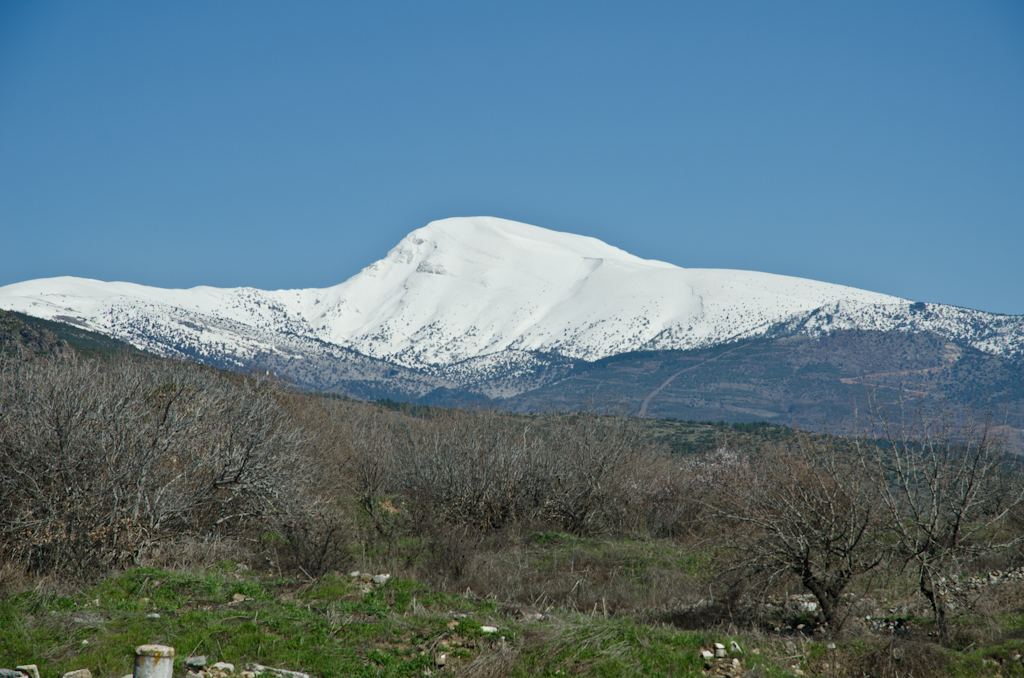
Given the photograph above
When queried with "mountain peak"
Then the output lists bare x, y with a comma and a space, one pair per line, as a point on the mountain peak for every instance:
495, 237
467, 245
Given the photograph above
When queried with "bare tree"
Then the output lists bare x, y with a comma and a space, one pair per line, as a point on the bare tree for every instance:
949, 491
813, 512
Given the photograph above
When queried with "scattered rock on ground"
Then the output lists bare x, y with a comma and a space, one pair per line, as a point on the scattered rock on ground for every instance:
283, 673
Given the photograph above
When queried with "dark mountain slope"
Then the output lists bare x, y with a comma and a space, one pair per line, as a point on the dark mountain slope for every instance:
795, 380
24, 340
81, 340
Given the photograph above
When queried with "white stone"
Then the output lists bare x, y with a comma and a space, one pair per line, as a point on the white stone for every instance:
488, 629
381, 578
283, 673
224, 666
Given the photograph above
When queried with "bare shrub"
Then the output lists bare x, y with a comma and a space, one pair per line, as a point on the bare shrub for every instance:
897, 658
698, 485
585, 473
99, 460
597, 465
472, 468
199, 552
353, 448
445, 553
316, 542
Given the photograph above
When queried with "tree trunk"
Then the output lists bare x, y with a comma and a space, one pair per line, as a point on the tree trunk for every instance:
927, 587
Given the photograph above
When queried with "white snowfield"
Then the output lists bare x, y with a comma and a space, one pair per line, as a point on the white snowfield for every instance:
481, 287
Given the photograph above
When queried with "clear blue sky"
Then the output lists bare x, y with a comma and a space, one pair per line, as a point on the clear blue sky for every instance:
278, 145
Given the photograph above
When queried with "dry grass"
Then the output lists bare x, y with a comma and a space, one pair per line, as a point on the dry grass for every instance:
497, 662
896, 658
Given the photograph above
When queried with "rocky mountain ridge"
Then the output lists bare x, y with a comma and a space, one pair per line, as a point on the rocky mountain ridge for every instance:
490, 307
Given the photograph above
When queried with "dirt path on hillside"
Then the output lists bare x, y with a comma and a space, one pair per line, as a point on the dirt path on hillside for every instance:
948, 359
860, 380
647, 400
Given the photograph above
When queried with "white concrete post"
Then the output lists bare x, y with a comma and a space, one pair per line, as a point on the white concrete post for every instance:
154, 661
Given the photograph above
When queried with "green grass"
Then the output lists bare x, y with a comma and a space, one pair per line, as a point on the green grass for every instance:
331, 628
598, 561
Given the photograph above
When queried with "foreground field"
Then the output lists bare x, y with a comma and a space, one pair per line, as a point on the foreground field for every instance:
642, 625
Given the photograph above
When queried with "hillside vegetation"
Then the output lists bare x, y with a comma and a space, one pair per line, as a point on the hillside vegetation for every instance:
235, 509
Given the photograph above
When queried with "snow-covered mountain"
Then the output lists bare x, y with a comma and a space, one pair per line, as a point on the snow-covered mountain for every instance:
489, 305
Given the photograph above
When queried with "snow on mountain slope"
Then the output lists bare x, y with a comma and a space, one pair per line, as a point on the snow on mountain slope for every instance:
460, 288
468, 294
